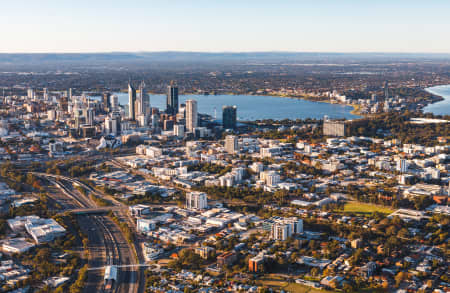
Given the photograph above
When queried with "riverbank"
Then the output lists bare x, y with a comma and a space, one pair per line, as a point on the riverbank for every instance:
356, 110
442, 106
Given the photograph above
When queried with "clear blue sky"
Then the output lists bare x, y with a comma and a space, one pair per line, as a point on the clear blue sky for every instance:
225, 25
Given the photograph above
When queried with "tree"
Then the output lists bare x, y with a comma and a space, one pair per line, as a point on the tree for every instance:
400, 277
314, 272
348, 287
403, 233
391, 230
358, 256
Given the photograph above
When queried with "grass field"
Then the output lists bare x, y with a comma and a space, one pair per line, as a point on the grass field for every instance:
298, 288
365, 208
278, 283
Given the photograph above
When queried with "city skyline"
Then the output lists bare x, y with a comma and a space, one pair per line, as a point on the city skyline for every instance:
234, 26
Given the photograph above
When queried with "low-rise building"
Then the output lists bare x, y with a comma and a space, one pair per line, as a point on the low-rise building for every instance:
256, 263
44, 230
196, 200
145, 225
204, 252
16, 245
226, 259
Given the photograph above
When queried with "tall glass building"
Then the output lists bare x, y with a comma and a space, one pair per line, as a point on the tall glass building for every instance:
229, 117
172, 99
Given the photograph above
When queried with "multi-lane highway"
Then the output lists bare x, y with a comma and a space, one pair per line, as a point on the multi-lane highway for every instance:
118, 206
107, 244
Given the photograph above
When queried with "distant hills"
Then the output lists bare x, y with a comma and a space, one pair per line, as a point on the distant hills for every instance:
162, 57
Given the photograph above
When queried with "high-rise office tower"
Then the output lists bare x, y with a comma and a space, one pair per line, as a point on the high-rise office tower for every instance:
229, 117
131, 102
155, 121
191, 115
30, 94
178, 130
106, 101
142, 120
89, 115
231, 144
113, 102
70, 94
45, 94
144, 101
112, 124
137, 107
168, 125
172, 99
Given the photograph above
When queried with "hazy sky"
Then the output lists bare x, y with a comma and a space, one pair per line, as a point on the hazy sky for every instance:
225, 25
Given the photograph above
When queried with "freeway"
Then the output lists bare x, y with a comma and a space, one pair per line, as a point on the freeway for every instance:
107, 244
123, 212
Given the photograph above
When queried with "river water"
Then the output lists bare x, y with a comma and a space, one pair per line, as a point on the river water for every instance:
442, 107
256, 107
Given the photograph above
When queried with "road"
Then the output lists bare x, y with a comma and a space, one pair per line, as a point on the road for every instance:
123, 215
107, 244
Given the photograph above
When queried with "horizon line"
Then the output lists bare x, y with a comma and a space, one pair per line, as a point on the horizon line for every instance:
232, 52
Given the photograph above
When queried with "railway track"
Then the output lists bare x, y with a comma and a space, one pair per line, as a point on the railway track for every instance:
112, 252
107, 231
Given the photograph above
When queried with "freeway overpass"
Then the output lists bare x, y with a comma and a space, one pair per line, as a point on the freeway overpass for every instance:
92, 211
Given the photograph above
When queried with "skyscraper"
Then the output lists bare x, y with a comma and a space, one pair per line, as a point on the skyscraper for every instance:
113, 102
45, 94
178, 130
191, 115
231, 144
131, 102
229, 117
30, 94
172, 99
112, 124
106, 101
89, 115
144, 101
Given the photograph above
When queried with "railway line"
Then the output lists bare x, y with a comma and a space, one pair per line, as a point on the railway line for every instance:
107, 245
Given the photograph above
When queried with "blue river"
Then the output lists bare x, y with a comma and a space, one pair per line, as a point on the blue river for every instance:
442, 107
251, 108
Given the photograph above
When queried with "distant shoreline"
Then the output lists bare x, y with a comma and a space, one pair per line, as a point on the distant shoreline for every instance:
443, 98
299, 107
355, 111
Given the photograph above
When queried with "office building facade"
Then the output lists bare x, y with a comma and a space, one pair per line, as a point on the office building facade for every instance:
131, 102
231, 144
172, 99
229, 117
191, 115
